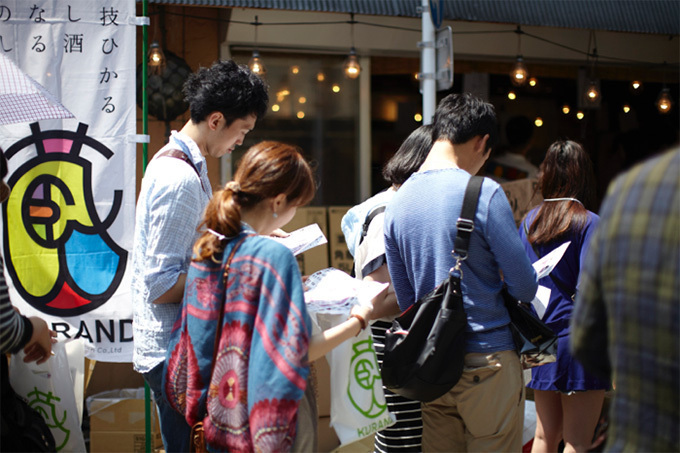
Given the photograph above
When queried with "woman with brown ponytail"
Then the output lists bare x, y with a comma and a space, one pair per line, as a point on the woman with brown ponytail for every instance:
568, 399
249, 396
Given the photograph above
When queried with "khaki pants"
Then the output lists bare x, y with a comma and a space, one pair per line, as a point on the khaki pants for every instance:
306, 440
484, 411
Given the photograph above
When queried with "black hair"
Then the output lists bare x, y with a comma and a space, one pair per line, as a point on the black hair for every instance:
409, 157
225, 87
566, 171
460, 117
519, 130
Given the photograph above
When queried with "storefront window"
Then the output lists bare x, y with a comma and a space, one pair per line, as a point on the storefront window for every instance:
312, 105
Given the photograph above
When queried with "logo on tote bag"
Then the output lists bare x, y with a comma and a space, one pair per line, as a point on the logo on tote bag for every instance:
365, 384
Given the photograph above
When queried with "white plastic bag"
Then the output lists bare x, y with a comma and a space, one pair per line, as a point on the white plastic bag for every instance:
48, 388
358, 406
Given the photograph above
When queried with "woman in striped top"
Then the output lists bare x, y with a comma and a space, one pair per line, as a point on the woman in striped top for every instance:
363, 228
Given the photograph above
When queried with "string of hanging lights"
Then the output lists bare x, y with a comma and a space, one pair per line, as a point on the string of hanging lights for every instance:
519, 75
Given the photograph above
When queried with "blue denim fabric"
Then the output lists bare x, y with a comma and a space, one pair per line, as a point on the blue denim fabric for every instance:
174, 428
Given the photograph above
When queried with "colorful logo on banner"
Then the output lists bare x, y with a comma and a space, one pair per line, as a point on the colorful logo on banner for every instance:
57, 250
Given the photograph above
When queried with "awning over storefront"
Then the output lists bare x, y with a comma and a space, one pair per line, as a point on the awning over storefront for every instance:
636, 16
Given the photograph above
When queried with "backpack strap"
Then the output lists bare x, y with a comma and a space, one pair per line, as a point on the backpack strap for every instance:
372, 214
177, 154
369, 218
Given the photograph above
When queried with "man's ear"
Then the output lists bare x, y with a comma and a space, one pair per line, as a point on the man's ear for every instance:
480, 146
214, 120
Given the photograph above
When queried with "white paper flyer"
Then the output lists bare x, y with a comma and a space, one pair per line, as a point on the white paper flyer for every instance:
303, 239
543, 268
332, 291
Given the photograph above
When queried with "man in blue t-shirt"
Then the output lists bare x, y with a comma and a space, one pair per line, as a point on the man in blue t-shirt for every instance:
484, 411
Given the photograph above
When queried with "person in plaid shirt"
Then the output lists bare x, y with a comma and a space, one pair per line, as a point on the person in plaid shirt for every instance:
627, 316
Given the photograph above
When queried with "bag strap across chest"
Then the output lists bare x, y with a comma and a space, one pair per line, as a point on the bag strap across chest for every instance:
465, 224
177, 154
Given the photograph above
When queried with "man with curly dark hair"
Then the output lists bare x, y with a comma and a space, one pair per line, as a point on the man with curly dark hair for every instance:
225, 101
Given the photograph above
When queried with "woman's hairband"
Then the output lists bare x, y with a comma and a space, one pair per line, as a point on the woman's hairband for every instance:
233, 186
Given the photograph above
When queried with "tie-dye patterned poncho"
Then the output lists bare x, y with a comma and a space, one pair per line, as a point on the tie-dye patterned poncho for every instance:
261, 367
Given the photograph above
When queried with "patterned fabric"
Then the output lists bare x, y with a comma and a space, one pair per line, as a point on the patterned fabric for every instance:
627, 314
419, 232
406, 434
169, 209
261, 366
22, 99
566, 374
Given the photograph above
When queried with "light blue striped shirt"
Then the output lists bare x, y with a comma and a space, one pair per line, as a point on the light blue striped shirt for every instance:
169, 209
420, 228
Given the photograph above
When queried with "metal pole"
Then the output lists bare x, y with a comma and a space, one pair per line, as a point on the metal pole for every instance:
365, 129
428, 65
145, 158
145, 100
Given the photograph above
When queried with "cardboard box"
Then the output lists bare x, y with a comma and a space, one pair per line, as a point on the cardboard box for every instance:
327, 439
316, 258
340, 257
118, 422
323, 387
102, 376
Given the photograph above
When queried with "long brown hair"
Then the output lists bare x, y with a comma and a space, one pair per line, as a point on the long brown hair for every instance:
566, 172
266, 170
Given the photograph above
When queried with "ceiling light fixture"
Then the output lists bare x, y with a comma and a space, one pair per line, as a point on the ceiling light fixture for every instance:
255, 64
519, 73
351, 66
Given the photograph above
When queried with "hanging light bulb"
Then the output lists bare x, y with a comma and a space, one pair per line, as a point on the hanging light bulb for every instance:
519, 73
511, 95
156, 58
566, 109
256, 65
626, 108
636, 85
592, 92
533, 81
579, 115
320, 76
538, 121
664, 101
351, 67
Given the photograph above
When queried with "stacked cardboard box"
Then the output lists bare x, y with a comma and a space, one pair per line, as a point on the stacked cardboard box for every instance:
340, 258
118, 422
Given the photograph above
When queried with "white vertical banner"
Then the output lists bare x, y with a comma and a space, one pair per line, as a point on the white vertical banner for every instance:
68, 223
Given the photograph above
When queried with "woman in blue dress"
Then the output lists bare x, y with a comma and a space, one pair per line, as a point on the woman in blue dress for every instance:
568, 400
